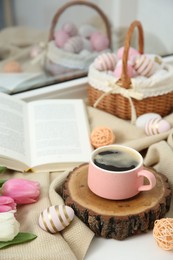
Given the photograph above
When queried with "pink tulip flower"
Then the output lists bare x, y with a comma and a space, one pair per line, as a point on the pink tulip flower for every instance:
7, 204
21, 190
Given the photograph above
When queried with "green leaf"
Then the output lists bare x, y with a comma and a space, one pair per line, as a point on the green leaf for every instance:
2, 169
2, 182
19, 239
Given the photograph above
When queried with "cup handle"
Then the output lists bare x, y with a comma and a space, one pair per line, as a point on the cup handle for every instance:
152, 180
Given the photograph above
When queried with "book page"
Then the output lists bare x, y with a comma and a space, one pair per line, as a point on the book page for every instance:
12, 128
59, 132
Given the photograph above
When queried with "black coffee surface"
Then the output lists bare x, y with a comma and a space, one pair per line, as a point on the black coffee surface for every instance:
115, 160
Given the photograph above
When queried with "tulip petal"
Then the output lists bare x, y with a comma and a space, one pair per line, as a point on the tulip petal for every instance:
21, 190
5, 208
5, 200
9, 226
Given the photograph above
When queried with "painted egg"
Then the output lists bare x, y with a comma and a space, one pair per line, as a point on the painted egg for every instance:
156, 126
86, 30
70, 29
143, 119
132, 52
118, 70
105, 61
99, 41
61, 37
145, 66
56, 218
74, 44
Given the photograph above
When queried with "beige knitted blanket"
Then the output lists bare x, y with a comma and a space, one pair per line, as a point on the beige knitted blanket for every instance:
74, 241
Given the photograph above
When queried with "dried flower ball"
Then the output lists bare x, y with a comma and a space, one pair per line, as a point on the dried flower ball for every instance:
12, 67
163, 233
101, 136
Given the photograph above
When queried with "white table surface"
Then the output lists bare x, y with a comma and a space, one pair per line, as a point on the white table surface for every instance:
141, 247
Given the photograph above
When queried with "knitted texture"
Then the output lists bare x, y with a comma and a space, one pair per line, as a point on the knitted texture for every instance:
66, 245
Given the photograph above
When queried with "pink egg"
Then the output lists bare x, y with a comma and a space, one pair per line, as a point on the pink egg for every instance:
74, 44
99, 41
156, 126
86, 30
61, 37
56, 218
70, 29
118, 70
145, 66
105, 61
132, 52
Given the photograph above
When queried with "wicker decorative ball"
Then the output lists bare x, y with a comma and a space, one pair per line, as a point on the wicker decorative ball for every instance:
12, 67
163, 233
101, 136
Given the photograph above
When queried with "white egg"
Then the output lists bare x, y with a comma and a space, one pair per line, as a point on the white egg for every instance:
143, 119
156, 126
86, 30
56, 218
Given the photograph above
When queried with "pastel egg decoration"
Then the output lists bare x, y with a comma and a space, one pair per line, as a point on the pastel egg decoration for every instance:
74, 44
61, 37
99, 41
70, 28
145, 66
143, 119
105, 62
56, 218
86, 30
132, 53
118, 70
156, 126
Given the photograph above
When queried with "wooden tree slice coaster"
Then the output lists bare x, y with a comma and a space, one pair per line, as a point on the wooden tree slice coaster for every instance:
112, 218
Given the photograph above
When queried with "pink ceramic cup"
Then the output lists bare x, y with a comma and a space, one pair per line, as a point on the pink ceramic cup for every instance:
119, 185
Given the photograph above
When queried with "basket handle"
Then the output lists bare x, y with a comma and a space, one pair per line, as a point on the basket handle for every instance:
125, 79
72, 3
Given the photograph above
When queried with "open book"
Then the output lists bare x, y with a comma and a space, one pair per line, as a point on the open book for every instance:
43, 135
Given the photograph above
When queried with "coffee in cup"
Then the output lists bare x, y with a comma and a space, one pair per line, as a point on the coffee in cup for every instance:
116, 160
117, 172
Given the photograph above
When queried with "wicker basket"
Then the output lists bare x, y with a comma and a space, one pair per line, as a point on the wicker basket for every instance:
119, 105
61, 62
